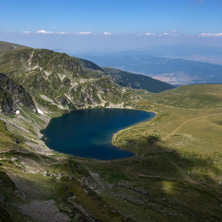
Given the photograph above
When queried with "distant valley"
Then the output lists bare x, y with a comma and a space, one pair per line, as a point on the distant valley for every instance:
172, 64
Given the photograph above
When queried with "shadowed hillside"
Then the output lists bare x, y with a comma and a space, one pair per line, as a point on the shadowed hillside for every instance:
137, 81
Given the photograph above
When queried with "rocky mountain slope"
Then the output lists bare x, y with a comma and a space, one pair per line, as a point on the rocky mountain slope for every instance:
13, 96
42, 71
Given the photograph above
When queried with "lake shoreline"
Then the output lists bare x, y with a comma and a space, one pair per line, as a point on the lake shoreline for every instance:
103, 150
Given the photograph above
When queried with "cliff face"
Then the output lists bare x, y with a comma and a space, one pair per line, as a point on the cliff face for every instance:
13, 96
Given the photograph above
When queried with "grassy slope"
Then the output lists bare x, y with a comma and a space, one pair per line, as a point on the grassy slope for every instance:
127, 79
6, 47
195, 96
31, 182
177, 172
181, 155
173, 179
137, 81
175, 176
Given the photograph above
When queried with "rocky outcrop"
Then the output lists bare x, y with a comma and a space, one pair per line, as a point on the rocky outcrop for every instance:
13, 96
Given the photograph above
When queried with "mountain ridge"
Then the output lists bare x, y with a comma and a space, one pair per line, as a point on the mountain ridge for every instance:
7, 46
41, 71
137, 81
92, 66
175, 71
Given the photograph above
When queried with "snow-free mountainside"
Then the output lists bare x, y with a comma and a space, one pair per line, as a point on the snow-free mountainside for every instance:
174, 176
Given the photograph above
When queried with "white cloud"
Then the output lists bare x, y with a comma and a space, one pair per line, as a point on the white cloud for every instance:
172, 33
211, 34
61, 33
164, 34
150, 34
107, 33
84, 33
26, 32
44, 32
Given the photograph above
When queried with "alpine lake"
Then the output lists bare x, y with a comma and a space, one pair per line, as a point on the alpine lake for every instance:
88, 133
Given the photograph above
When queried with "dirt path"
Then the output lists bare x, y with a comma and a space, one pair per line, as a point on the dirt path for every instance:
187, 121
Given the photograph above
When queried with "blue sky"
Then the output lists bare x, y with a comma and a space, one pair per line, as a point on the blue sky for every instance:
109, 23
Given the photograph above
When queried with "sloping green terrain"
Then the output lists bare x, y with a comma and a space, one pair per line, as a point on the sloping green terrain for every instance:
7, 46
32, 60
127, 79
42, 71
195, 96
136, 81
176, 174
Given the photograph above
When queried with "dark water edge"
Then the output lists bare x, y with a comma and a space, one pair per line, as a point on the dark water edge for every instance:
88, 133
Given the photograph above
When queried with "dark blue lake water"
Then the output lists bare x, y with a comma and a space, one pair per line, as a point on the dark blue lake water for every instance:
88, 133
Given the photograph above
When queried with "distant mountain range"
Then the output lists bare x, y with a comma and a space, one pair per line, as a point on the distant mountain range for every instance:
193, 52
167, 63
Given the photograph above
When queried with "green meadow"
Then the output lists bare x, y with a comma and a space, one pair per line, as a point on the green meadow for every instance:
176, 174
